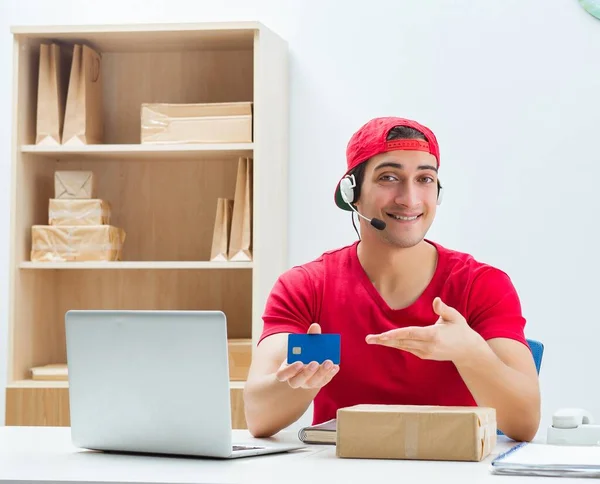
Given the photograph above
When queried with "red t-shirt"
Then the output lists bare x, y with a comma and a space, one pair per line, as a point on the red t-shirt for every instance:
335, 292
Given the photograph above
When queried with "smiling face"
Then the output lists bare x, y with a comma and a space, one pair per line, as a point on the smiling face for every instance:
400, 188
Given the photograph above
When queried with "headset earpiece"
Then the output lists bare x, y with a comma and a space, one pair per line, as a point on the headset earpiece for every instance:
347, 188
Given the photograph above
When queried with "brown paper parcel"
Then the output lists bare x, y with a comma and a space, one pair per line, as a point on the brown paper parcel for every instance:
196, 123
221, 231
416, 432
50, 372
53, 80
74, 185
83, 112
78, 212
240, 243
51, 243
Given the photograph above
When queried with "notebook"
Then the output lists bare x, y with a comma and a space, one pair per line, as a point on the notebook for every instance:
539, 459
323, 433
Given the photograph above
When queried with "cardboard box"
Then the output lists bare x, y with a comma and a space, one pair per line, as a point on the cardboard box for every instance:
92, 211
240, 357
52, 372
416, 432
75, 184
197, 123
51, 243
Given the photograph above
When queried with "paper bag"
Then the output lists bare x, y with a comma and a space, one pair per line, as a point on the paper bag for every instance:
240, 244
239, 357
51, 95
83, 112
220, 241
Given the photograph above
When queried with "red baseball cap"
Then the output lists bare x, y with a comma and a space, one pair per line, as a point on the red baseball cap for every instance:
370, 140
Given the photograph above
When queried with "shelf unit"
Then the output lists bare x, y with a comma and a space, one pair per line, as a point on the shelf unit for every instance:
163, 196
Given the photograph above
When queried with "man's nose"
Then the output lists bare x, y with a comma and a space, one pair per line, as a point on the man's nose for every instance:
407, 195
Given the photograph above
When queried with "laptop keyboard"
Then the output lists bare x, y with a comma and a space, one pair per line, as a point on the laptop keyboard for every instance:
245, 447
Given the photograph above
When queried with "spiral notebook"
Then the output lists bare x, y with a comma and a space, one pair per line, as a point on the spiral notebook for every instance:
539, 459
323, 433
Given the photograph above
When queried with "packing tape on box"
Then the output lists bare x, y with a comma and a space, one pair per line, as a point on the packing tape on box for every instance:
73, 248
157, 119
411, 439
54, 214
486, 432
163, 120
68, 248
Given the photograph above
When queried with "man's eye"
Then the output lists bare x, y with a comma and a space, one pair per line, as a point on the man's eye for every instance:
387, 178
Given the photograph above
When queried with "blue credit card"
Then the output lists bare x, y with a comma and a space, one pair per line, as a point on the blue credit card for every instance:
314, 347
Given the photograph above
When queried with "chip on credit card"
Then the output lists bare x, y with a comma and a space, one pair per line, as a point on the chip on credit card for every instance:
314, 347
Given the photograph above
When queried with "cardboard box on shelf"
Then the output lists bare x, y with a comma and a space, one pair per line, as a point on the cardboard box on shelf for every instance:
51, 243
90, 211
416, 432
197, 123
51, 372
74, 184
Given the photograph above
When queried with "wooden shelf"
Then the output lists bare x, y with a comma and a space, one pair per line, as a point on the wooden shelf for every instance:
160, 152
32, 403
216, 36
236, 385
163, 196
39, 384
137, 265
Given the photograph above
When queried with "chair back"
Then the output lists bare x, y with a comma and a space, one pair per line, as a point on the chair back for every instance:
537, 351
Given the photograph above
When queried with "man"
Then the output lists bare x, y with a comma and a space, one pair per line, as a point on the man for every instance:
420, 324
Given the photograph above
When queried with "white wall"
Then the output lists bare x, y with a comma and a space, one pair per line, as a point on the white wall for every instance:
512, 89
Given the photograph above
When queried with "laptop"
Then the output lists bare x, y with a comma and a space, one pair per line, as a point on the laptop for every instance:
154, 382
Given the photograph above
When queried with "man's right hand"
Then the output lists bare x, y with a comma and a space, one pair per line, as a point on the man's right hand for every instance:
309, 376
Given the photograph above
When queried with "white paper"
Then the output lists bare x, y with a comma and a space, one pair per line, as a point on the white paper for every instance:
329, 425
544, 459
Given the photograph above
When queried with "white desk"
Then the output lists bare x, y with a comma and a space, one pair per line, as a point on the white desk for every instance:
44, 454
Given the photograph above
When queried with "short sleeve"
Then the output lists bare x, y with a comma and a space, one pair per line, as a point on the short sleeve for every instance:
494, 308
290, 306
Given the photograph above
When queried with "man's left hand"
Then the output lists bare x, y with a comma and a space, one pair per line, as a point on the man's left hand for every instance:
449, 339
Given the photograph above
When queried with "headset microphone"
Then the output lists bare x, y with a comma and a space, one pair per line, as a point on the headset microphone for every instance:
346, 190
375, 222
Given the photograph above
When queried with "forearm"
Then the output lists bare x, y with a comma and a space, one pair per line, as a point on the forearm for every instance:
271, 405
495, 384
